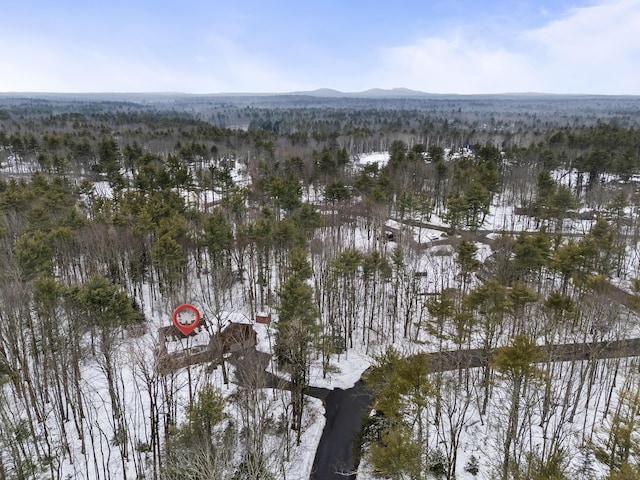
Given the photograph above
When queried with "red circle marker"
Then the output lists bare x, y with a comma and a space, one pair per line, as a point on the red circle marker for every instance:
186, 318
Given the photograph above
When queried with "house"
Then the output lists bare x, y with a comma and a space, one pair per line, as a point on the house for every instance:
233, 337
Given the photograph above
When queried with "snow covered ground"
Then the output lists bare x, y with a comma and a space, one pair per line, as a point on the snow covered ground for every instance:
135, 357
381, 158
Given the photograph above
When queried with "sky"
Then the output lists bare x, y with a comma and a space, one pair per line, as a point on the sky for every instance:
214, 46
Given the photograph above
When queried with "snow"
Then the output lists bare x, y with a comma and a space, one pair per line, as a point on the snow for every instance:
131, 363
301, 465
482, 435
347, 370
103, 189
14, 166
437, 262
381, 158
419, 234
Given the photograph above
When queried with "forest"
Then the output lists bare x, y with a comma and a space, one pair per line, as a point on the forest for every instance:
350, 237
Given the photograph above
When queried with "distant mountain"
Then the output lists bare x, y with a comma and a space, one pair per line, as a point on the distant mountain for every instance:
401, 92
323, 92
371, 93
394, 92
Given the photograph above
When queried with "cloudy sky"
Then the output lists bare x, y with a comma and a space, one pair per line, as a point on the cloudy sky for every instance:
211, 46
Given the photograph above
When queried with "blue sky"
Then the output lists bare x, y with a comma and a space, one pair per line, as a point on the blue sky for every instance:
197, 46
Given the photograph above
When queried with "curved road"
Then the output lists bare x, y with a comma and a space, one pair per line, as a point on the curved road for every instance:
346, 408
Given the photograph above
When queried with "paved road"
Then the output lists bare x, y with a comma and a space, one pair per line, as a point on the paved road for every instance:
451, 360
346, 408
344, 412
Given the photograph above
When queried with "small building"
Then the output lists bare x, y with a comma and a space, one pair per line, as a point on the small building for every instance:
263, 318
